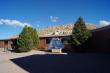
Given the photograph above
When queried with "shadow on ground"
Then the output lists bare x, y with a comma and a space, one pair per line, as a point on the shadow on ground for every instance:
72, 63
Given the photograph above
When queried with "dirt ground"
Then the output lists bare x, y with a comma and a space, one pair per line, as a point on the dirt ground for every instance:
43, 62
6, 66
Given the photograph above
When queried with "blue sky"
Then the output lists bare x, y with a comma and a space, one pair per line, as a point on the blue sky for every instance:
14, 14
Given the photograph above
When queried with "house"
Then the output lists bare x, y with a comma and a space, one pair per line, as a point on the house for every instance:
43, 42
100, 41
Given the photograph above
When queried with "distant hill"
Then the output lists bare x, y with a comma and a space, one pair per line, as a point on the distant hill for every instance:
66, 29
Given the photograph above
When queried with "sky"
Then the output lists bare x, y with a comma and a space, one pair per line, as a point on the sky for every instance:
15, 14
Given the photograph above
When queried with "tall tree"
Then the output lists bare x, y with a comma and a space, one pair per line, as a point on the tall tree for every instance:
80, 33
26, 40
35, 38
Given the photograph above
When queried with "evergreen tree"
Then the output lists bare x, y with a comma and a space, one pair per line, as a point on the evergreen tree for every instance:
26, 40
80, 33
35, 38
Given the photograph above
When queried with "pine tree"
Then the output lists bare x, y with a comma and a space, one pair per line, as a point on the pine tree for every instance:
35, 38
80, 33
27, 40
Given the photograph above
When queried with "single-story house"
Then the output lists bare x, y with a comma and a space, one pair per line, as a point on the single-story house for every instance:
44, 41
100, 40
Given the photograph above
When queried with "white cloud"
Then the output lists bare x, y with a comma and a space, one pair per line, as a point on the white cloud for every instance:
54, 18
104, 23
13, 23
